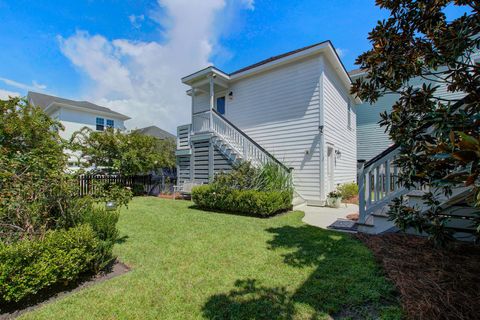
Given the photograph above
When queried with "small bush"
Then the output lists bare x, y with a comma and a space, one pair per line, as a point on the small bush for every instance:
138, 189
28, 266
348, 190
103, 223
251, 202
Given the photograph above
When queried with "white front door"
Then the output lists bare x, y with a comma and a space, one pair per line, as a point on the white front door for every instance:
330, 169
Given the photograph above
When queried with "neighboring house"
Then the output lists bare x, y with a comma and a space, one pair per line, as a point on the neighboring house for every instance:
156, 132
75, 115
371, 138
294, 109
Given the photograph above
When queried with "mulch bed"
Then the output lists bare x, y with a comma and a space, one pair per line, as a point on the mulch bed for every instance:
51, 294
178, 196
433, 283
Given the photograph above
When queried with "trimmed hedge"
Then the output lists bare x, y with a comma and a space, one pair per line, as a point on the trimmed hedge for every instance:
251, 202
29, 266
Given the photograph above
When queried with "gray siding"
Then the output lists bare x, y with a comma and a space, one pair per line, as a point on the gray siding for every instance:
371, 138
221, 163
200, 155
183, 168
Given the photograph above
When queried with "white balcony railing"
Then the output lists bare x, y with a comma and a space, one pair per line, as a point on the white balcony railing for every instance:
201, 122
242, 144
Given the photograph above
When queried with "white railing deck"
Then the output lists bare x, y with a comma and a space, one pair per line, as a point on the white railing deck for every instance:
236, 139
379, 184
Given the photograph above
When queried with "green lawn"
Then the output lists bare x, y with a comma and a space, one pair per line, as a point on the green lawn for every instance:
189, 264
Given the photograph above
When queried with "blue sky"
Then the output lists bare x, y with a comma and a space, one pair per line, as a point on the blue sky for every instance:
129, 55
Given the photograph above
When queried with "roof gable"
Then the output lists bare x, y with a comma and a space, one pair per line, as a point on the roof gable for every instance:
44, 101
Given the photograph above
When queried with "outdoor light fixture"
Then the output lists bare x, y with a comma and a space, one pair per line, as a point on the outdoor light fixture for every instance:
338, 153
110, 205
230, 95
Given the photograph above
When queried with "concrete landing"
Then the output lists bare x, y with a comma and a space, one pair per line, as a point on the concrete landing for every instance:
322, 217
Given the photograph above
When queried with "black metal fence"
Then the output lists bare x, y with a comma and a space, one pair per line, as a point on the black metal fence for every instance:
151, 184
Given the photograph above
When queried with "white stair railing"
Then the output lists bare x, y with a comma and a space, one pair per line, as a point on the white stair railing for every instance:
248, 149
378, 183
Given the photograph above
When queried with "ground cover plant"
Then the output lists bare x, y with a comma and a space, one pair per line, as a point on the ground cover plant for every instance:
248, 190
191, 264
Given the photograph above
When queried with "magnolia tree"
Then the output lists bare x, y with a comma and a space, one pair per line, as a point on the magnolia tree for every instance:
439, 137
126, 153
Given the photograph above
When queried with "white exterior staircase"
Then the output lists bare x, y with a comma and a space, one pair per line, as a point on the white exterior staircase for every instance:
235, 145
379, 185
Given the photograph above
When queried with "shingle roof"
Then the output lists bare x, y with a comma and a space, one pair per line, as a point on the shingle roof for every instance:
280, 56
156, 132
44, 100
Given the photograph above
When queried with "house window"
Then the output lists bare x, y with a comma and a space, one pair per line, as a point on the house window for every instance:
110, 123
349, 119
221, 105
100, 124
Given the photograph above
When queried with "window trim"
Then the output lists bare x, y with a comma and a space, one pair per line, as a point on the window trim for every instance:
100, 124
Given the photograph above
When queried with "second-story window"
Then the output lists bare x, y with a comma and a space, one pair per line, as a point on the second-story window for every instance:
100, 124
110, 123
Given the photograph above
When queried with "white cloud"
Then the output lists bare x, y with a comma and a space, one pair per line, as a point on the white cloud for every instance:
136, 21
5, 94
34, 86
142, 79
249, 4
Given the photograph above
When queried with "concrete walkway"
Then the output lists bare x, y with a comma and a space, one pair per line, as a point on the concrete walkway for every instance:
322, 217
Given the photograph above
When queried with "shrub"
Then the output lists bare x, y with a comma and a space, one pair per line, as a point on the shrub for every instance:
29, 266
244, 176
138, 189
348, 190
251, 202
104, 224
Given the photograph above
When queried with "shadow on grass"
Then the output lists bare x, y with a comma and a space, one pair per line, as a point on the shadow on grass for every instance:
231, 213
250, 301
122, 239
345, 281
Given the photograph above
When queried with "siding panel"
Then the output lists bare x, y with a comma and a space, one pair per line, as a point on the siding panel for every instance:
279, 109
337, 132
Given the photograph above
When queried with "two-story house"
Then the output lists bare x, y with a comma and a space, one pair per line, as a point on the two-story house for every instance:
75, 115
294, 109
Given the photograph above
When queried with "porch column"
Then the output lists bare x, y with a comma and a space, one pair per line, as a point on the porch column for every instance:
193, 106
212, 101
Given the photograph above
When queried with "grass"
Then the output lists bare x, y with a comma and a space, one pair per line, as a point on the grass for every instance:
191, 264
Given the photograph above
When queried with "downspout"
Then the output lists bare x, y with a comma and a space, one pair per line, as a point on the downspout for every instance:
321, 128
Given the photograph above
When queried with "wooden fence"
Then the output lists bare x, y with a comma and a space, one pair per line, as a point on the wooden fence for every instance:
90, 184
